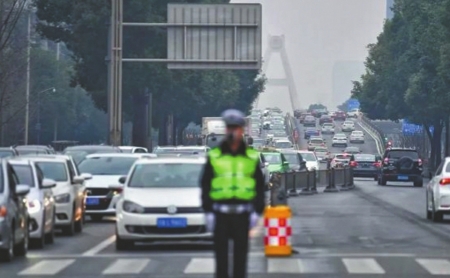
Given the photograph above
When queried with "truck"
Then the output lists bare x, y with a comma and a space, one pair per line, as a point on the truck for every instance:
213, 130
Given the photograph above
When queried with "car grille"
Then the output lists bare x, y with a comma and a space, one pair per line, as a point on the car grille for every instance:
195, 229
98, 191
163, 210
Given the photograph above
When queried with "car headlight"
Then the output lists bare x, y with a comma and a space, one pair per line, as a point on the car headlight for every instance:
132, 207
62, 198
33, 206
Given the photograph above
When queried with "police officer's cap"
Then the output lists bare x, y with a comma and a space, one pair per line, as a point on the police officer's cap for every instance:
233, 117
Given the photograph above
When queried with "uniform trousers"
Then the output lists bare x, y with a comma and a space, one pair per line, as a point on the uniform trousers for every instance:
236, 228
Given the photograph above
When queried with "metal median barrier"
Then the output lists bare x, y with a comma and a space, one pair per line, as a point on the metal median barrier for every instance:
291, 184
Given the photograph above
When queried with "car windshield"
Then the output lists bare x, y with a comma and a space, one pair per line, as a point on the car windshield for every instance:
342, 156
54, 170
107, 165
272, 158
128, 150
352, 150
316, 141
308, 156
397, 154
340, 136
358, 133
283, 145
6, 153
166, 175
327, 125
292, 158
320, 150
365, 157
24, 174
348, 123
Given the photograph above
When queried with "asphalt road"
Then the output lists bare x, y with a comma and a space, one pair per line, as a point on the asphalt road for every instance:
371, 231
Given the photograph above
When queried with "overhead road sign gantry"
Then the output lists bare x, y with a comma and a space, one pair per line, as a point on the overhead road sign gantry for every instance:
209, 36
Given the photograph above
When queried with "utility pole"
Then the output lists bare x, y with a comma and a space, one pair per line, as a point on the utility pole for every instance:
27, 101
55, 120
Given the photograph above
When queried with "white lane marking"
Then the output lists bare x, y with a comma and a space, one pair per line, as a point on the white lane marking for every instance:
201, 265
99, 247
435, 266
47, 267
209, 254
374, 137
126, 266
363, 266
281, 265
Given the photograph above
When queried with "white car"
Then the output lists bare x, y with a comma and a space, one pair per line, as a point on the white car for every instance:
348, 126
133, 149
357, 136
69, 192
312, 163
327, 128
353, 113
106, 169
161, 201
339, 139
438, 193
40, 201
283, 144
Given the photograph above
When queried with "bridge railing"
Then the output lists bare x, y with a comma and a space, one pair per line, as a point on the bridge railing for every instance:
375, 130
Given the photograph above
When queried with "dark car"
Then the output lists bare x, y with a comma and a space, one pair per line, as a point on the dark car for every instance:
302, 117
340, 116
309, 121
311, 131
325, 119
295, 159
402, 165
352, 150
366, 166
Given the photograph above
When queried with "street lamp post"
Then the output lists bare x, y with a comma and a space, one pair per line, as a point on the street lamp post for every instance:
38, 125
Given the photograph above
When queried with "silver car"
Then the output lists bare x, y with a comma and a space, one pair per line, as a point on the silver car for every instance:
13, 214
40, 201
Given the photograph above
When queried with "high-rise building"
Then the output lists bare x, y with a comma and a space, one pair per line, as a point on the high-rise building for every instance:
389, 12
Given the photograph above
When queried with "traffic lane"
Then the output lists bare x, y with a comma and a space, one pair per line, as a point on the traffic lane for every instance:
347, 222
406, 199
93, 234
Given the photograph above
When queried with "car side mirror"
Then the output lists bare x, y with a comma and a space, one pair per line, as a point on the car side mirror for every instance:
250, 141
86, 176
78, 180
285, 163
122, 180
48, 183
266, 164
22, 189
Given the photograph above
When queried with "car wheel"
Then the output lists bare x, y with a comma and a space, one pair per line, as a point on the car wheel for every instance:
122, 244
382, 180
96, 218
70, 229
436, 216
22, 248
40, 242
418, 183
50, 237
7, 255
79, 225
429, 212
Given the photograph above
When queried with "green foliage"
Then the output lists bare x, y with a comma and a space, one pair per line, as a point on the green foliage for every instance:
408, 69
316, 106
188, 94
67, 113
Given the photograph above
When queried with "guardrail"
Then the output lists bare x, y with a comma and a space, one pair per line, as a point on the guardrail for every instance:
285, 185
376, 131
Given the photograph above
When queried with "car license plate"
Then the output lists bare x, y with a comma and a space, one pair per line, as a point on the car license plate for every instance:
171, 222
403, 178
92, 201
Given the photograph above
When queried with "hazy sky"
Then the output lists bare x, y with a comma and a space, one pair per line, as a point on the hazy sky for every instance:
326, 42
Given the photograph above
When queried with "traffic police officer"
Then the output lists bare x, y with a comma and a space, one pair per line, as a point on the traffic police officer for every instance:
232, 195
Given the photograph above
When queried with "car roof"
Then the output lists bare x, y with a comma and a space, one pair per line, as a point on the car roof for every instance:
7, 148
301, 151
33, 147
192, 159
63, 156
19, 161
46, 159
138, 155
130, 147
90, 147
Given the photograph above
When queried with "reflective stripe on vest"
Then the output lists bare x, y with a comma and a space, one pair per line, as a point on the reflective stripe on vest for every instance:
233, 175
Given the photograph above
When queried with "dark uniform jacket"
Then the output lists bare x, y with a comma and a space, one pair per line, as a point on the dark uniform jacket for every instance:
208, 175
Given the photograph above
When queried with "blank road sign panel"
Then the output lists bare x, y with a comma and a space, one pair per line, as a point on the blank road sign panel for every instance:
214, 36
